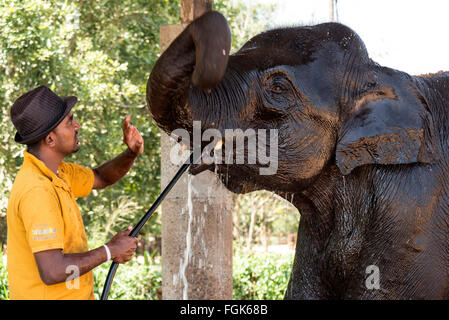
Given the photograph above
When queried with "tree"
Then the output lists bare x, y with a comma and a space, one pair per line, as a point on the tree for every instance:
102, 52
245, 20
260, 213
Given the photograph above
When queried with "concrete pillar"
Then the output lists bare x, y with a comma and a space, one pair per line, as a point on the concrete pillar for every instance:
196, 215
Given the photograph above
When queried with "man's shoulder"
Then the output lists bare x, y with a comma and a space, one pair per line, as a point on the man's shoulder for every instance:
81, 179
28, 180
69, 167
30, 189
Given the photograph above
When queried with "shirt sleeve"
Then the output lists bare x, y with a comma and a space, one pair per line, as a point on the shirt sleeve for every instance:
81, 179
40, 212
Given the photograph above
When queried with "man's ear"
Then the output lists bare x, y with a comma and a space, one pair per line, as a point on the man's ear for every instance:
50, 139
387, 131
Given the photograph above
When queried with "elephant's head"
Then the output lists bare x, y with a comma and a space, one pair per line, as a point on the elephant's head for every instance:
330, 103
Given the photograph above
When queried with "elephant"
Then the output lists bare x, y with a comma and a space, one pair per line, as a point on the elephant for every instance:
362, 150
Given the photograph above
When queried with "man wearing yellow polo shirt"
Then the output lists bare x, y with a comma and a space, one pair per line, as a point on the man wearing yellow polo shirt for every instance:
48, 257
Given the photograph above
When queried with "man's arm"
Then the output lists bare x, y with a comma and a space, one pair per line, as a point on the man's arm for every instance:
53, 264
113, 170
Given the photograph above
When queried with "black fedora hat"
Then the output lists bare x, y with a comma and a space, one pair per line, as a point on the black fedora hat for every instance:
37, 112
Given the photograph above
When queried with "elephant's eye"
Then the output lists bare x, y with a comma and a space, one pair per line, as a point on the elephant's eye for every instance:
277, 89
278, 86
279, 94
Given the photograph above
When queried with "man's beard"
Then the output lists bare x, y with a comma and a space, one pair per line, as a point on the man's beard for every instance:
76, 147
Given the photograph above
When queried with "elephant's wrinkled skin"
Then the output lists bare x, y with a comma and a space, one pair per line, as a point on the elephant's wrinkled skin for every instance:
363, 149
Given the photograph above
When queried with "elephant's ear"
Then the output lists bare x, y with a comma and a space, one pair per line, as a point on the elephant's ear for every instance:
387, 131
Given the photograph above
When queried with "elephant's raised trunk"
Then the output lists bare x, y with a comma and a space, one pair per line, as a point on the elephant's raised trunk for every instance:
199, 55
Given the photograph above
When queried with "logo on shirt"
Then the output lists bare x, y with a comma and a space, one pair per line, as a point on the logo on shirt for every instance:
44, 234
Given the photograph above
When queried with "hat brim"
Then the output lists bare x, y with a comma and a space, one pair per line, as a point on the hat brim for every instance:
70, 102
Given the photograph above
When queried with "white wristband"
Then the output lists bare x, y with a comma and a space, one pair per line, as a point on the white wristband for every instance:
108, 253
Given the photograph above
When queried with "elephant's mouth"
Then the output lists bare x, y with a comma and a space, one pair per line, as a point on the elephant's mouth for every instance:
235, 177
197, 168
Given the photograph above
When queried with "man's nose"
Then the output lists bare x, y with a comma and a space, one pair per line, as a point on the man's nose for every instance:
76, 125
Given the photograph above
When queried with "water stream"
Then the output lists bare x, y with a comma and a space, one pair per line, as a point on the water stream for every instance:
188, 249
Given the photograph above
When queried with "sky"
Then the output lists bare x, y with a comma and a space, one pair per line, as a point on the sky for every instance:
407, 35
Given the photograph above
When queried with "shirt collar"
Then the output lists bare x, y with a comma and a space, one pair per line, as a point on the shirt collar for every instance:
30, 160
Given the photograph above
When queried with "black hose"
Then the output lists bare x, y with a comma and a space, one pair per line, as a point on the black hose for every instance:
141, 223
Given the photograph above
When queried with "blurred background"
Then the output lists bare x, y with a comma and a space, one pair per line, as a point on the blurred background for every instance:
103, 51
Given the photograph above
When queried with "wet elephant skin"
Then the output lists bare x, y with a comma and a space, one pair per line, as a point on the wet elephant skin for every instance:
362, 149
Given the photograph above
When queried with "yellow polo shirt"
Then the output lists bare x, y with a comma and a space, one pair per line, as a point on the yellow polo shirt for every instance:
42, 215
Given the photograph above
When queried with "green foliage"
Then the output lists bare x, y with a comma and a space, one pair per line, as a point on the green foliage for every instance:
102, 52
261, 276
4, 293
133, 281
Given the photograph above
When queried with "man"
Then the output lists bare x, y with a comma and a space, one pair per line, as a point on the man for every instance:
48, 257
